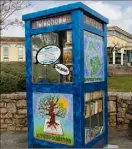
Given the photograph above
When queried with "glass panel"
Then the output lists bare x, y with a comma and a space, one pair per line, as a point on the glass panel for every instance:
93, 115
93, 58
52, 57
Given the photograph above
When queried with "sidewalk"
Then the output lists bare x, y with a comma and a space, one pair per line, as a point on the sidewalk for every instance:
19, 140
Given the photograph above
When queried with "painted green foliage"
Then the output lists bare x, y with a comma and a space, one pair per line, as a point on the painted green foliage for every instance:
95, 62
52, 106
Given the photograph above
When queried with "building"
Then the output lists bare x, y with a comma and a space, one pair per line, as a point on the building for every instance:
119, 44
12, 49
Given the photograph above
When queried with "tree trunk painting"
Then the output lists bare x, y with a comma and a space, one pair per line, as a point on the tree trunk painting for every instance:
52, 106
52, 121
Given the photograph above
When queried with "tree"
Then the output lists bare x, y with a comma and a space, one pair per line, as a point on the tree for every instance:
8, 8
116, 47
52, 106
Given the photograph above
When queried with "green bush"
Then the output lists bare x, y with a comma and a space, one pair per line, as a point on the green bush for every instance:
12, 77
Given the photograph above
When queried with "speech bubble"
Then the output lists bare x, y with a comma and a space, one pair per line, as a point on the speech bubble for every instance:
62, 69
48, 55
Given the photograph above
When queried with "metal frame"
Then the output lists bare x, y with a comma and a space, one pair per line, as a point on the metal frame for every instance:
78, 87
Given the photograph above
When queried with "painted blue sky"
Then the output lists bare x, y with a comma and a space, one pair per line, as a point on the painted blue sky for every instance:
119, 13
39, 121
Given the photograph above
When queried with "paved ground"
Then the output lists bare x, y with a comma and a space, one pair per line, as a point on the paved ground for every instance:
122, 139
19, 140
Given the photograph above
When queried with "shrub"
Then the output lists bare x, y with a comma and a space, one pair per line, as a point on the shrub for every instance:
12, 77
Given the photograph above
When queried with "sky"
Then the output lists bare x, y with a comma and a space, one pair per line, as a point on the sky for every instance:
118, 12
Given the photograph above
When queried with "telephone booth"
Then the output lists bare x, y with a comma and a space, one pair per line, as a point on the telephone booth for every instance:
66, 77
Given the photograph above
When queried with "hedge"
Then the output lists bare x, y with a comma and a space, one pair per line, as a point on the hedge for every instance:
12, 77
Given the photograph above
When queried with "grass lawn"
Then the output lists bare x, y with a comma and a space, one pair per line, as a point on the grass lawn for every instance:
120, 84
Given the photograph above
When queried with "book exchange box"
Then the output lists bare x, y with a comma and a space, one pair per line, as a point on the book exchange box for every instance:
66, 77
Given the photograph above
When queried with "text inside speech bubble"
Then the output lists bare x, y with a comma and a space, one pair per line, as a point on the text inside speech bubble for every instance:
48, 55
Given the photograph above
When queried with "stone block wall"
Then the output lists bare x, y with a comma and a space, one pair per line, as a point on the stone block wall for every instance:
120, 110
119, 70
13, 115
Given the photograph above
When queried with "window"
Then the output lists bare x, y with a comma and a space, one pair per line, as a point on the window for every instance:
6, 51
20, 52
5, 54
52, 57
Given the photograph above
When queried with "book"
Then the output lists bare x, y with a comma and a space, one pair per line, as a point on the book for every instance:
87, 110
87, 135
52, 130
100, 105
92, 106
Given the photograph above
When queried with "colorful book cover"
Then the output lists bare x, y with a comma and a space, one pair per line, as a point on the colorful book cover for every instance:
87, 135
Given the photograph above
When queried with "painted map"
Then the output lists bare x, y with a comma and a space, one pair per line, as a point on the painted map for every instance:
93, 57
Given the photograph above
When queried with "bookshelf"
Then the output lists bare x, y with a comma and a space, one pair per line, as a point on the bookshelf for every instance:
67, 56
93, 114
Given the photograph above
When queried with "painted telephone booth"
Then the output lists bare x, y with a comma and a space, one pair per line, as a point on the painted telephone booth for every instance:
66, 77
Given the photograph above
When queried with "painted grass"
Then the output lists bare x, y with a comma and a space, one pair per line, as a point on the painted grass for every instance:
120, 84
66, 139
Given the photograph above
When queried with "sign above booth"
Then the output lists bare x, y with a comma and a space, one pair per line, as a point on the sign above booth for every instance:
93, 22
56, 20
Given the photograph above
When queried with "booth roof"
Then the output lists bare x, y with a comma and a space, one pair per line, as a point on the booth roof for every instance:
63, 9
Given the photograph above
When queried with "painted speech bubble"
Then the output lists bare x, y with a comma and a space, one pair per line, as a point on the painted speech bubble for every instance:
62, 69
48, 55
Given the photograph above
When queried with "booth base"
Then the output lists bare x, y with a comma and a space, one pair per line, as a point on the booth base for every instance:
109, 146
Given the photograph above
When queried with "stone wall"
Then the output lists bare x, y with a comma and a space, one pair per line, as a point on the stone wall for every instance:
120, 110
13, 112
119, 70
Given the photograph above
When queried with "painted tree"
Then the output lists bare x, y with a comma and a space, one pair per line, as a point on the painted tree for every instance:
52, 106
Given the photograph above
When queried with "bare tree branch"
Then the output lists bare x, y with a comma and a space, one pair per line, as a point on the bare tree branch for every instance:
116, 46
8, 8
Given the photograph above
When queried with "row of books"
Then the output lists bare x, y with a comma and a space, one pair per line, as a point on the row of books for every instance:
92, 133
94, 95
93, 108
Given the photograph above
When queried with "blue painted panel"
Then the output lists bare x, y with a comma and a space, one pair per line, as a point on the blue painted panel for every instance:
53, 88
42, 143
106, 88
95, 142
55, 28
77, 35
92, 29
28, 83
90, 87
69, 7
